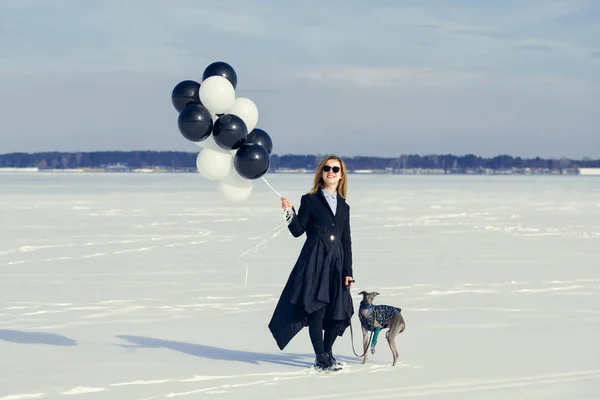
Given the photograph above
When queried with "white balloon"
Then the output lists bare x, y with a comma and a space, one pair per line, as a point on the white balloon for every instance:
214, 164
217, 94
208, 143
246, 110
235, 188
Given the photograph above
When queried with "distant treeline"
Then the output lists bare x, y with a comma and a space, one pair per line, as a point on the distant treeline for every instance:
187, 160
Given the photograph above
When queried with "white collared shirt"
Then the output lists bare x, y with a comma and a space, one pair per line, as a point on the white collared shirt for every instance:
331, 199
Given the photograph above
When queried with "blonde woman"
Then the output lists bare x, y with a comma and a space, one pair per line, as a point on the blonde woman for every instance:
316, 293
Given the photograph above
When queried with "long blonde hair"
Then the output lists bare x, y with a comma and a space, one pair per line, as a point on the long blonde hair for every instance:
318, 180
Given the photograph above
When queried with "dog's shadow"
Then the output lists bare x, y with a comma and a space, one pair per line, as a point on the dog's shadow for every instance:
217, 353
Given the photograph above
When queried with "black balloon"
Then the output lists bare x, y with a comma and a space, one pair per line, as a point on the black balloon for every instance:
184, 93
251, 161
195, 122
261, 137
220, 68
230, 131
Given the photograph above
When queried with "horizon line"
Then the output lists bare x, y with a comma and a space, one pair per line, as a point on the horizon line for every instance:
585, 158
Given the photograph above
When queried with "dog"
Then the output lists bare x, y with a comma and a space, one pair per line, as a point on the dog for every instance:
373, 318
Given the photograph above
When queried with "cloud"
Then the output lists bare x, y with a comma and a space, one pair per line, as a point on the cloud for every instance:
375, 80
534, 45
475, 31
221, 19
382, 77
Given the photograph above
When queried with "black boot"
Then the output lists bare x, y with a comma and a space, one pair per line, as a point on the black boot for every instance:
333, 360
324, 363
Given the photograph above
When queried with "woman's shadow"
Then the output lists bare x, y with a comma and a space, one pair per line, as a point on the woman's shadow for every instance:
22, 337
217, 353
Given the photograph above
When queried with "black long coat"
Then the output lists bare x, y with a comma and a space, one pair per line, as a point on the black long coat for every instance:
317, 279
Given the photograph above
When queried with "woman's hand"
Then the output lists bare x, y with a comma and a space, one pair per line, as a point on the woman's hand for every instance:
285, 204
349, 281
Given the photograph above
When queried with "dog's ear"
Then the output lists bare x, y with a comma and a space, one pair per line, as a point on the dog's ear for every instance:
363, 292
375, 294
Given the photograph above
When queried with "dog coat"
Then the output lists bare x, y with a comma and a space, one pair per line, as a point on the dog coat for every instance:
380, 313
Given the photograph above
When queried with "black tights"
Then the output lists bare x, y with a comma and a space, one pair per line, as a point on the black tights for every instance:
321, 343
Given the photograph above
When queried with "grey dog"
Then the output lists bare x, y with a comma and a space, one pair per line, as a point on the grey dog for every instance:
373, 318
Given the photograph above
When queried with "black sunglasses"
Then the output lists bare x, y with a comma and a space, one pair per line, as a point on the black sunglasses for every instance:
327, 168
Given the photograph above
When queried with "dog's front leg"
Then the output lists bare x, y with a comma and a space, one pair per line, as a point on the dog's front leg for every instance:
365, 343
374, 340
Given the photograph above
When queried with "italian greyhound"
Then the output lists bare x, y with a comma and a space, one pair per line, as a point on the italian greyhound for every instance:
373, 318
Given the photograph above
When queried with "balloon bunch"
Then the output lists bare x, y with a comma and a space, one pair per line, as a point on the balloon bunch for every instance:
234, 151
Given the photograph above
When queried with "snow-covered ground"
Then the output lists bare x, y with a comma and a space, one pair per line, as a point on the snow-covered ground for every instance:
128, 286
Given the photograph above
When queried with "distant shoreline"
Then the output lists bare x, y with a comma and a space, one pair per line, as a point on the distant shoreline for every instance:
413, 172
406, 164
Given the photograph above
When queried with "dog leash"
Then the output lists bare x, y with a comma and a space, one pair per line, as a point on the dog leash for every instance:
352, 339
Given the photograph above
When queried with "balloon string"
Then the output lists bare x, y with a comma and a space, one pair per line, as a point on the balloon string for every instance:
278, 230
287, 216
269, 185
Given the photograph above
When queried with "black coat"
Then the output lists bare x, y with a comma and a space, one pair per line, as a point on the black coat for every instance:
317, 279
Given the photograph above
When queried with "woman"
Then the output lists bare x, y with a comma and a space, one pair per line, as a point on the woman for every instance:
316, 293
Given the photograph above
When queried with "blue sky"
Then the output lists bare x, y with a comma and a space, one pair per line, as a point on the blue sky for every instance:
372, 78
